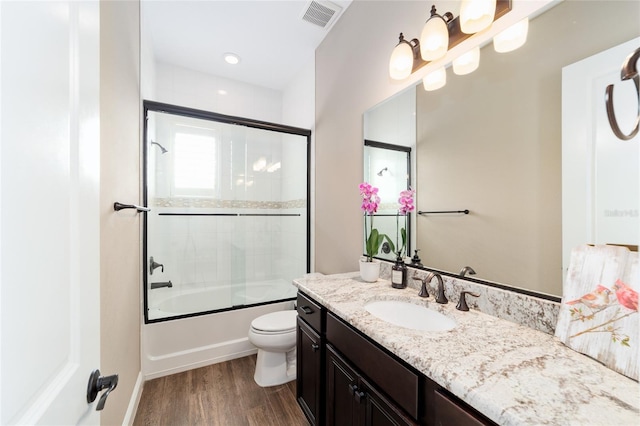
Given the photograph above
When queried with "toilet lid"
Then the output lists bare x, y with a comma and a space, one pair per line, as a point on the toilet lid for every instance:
276, 321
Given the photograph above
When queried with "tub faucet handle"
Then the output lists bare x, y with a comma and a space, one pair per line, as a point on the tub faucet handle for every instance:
153, 265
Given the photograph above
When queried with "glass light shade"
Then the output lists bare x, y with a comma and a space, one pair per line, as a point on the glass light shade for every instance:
435, 79
467, 62
476, 15
512, 38
434, 39
401, 62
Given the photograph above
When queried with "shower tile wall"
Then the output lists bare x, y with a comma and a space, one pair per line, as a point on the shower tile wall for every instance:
197, 251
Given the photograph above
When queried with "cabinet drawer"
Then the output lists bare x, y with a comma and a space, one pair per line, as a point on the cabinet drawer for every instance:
397, 381
309, 311
448, 411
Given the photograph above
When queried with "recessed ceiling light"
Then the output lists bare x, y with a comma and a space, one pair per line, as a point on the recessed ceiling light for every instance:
222, 92
231, 58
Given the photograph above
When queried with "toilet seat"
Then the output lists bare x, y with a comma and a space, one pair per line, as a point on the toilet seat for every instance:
275, 323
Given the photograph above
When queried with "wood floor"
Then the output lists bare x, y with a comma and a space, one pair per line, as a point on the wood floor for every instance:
220, 394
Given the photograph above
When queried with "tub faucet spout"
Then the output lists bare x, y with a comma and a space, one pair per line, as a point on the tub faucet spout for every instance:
161, 284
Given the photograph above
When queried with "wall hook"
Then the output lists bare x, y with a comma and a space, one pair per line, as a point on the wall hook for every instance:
629, 71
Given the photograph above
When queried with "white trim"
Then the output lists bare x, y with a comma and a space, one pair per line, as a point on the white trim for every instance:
134, 402
179, 362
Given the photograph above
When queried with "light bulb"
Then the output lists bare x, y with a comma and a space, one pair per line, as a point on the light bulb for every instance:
434, 39
401, 62
435, 80
467, 62
512, 38
476, 15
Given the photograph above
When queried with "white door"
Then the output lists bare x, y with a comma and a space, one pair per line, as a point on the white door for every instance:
49, 228
600, 173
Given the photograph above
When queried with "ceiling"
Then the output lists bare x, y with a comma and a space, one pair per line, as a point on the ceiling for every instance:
271, 38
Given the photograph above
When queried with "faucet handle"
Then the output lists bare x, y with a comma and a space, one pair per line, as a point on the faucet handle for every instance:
462, 303
423, 290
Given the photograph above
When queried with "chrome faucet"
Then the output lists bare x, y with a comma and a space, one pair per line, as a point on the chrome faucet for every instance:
466, 269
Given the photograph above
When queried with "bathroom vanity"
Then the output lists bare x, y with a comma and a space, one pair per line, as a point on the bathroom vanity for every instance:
355, 368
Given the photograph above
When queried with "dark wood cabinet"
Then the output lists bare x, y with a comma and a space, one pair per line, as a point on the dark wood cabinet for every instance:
450, 411
309, 372
352, 400
344, 378
310, 359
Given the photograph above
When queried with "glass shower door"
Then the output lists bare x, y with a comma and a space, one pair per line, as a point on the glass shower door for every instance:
228, 225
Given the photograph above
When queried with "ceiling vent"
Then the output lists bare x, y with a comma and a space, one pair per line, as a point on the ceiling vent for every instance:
321, 13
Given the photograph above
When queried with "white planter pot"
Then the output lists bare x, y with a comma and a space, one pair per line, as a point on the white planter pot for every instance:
369, 271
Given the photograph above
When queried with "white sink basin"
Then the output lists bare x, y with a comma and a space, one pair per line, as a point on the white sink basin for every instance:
408, 315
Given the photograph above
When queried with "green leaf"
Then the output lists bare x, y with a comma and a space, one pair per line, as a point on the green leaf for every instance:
372, 243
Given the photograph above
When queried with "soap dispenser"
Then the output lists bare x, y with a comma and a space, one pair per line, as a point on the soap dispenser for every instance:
415, 260
399, 273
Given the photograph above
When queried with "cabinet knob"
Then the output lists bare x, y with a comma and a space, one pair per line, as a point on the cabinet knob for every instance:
353, 388
315, 347
359, 395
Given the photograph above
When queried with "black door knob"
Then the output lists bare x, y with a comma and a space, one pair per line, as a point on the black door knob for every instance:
98, 383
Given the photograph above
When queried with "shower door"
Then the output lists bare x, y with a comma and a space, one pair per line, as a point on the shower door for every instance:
229, 221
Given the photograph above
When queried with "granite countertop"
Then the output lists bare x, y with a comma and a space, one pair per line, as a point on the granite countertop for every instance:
511, 373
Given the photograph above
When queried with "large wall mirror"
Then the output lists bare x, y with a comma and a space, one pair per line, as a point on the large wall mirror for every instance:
492, 142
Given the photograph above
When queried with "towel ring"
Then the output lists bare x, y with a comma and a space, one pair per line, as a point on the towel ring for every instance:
629, 71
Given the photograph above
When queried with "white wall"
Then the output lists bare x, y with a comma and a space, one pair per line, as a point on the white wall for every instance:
351, 77
120, 181
184, 87
298, 110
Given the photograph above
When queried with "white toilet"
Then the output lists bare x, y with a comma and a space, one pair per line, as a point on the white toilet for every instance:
274, 335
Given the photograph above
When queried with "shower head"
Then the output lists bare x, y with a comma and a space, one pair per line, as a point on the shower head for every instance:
162, 148
383, 170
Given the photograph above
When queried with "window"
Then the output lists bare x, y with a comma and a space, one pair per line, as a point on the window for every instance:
194, 163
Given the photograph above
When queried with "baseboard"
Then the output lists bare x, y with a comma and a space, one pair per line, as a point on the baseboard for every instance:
177, 363
132, 409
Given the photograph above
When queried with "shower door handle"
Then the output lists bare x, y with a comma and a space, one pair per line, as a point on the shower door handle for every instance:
98, 383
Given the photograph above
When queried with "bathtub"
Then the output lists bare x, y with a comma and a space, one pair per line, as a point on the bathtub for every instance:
177, 345
173, 301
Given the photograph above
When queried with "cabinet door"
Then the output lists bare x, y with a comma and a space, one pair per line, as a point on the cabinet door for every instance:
309, 372
342, 384
379, 411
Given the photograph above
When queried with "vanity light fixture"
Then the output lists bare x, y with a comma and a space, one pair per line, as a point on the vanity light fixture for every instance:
512, 38
435, 80
468, 62
476, 15
434, 39
409, 56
